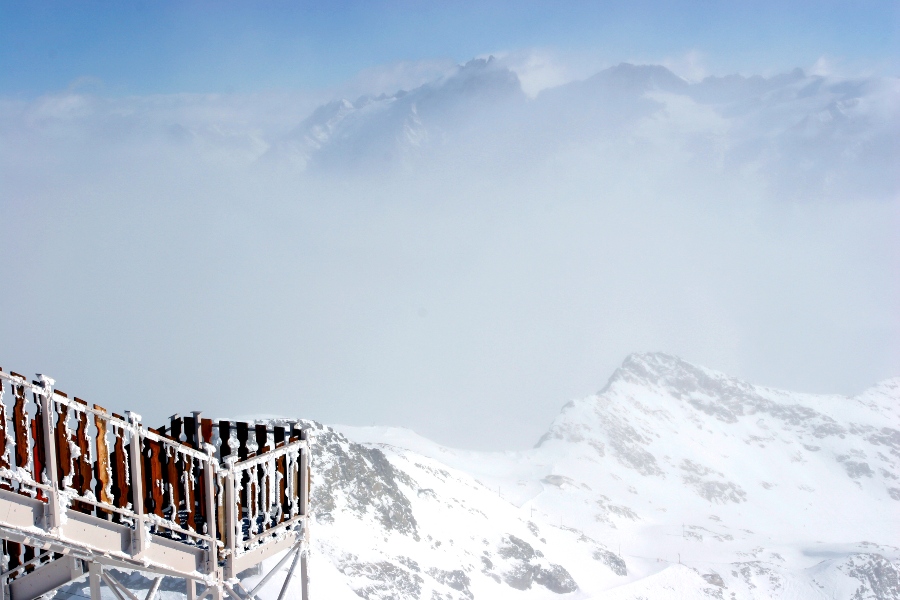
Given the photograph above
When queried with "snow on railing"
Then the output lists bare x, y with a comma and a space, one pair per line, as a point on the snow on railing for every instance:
269, 493
200, 482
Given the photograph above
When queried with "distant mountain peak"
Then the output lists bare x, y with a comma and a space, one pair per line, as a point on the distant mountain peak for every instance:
630, 78
670, 457
376, 130
659, 368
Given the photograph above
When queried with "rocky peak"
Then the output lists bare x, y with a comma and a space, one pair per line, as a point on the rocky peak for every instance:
640, 78
677, 376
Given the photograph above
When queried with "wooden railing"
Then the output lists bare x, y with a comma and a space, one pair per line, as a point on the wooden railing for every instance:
209, 484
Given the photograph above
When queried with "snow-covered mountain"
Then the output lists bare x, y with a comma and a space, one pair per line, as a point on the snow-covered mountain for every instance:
674, 481
809, 134
386, 129
803, 135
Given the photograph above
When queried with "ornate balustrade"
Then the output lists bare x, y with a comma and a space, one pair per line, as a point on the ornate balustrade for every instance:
198, 498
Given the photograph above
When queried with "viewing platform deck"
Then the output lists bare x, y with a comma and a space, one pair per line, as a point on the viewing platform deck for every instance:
83, 490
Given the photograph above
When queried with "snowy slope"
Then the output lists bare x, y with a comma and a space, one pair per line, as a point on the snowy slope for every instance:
674, 481
757, 492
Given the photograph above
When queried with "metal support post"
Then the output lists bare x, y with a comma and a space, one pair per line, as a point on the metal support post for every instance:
94, 570
117, 585
304, 500
229, 506
290, 574
292, 553
215, 592
151, 593
139, 538
53, 519
209, 485
304, 476
191, 589
304, 575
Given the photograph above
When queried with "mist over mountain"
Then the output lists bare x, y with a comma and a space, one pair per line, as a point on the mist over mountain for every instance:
807, 136
386, 130
814, 137
672, 481
458, 252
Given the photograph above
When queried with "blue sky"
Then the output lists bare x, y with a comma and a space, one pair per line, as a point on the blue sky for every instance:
166, 47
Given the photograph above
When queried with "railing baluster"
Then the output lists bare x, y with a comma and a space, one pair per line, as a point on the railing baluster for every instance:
200, 501
61, 437
172, 482
14, 551
4, 450
103, 470
190, 431
122, 487
153, 494
190, 495
243, 434
82, 465
20, 426
281, 474
220, 506
225, 436
206, 427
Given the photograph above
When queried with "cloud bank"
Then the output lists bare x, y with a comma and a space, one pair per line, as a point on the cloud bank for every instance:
460, 257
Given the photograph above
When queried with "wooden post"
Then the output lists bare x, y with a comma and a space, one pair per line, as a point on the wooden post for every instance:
139, 538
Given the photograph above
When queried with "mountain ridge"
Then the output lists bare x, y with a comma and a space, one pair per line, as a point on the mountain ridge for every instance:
813, 136
756, 491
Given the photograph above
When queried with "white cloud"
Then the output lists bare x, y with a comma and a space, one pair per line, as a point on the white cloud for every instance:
691, 66
502, 268
391, 78
537, 69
